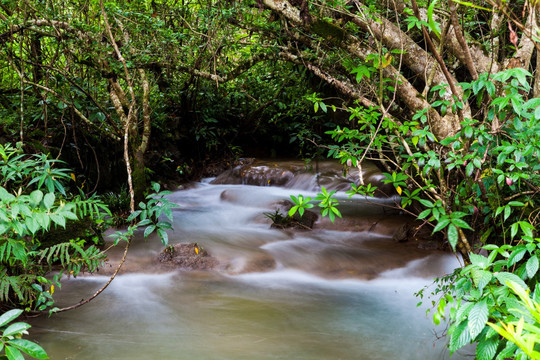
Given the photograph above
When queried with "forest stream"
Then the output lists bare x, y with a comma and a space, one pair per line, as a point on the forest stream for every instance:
339, 291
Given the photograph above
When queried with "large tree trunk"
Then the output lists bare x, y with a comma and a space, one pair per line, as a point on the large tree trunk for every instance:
412, 99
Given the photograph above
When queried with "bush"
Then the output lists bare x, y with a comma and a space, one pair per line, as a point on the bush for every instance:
33, 201
479, 188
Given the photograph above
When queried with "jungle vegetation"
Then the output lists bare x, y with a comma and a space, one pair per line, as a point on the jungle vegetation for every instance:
443, 95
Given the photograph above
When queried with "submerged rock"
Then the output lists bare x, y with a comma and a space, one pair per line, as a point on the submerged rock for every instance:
187, 256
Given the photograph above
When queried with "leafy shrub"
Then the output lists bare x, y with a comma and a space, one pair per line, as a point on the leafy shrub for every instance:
479, 188
33, 200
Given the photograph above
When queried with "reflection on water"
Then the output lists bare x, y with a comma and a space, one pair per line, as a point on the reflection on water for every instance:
331, 294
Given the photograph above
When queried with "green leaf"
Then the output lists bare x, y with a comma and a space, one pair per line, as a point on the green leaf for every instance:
513, 230
460, 337
32, 225
532, 266
452, 236
29, 347
504, 276
59, 220
433, 26
293, 210
331, 216
150, 229
527, 228
441, 224
335, 211
145, 222
481, 278
163, 236
516, 255
486, 349
461, 223
426, 203
36, 196
48, 200
436, 318
13, 354
9, 316
15, 329
424, 214
507, 212
479, 260
478, 318
133, 215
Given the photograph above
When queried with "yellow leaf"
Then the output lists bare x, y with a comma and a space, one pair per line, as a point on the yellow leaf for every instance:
519, 328
73, 176
197, 250
386, 60
52, 289
399, 191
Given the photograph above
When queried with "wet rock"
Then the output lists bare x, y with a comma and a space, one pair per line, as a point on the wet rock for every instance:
403, 233
299, 175
261, 175
187, 256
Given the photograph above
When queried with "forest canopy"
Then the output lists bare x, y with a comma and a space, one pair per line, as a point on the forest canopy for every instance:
443, 95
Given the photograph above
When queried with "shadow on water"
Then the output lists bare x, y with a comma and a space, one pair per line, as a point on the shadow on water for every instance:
277, 294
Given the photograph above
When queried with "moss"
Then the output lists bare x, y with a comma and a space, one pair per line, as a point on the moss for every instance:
328, 31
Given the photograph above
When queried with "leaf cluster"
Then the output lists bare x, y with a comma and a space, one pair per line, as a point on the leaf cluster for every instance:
34, 201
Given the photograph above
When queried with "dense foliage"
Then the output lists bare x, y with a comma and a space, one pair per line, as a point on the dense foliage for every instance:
34, 201
443, 95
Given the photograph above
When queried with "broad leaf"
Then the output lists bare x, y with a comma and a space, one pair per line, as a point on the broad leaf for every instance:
452, 236
460, 337
516, 255
481, 278
441, 225
36, 197
486, 349
461, 223
13, 354
478, 318
503, 277
9, 316
48, 200
479, 260
29, 347
15, 329
150, 229
532, 266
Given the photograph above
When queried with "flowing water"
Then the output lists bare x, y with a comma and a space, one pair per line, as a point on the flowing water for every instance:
340, 291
